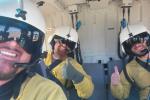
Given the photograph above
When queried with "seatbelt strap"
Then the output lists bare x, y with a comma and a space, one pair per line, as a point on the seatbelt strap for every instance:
49, 69
127, 76
52, 77
43, 68
143, 64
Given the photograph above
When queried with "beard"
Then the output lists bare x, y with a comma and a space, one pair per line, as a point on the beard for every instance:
7, 76
7, 71
62, 52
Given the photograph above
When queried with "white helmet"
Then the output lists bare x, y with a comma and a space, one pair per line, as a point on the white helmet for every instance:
11, 8
133, 34
21, 20
66, 33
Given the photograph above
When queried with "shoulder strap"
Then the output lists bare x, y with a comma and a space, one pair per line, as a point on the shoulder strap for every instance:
52, 77
132, 82
143, 64
54, 64
41, 69
127, 76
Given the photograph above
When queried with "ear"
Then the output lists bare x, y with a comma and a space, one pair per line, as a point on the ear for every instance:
76, 45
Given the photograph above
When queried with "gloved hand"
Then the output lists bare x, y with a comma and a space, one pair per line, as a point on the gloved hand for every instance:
70, 73
115, 77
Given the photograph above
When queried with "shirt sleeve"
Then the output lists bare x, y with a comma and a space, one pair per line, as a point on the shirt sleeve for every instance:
122, 90
85, 87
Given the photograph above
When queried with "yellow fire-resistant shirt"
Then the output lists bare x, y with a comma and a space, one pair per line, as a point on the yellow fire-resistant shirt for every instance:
84, 88
39, 88
141, 77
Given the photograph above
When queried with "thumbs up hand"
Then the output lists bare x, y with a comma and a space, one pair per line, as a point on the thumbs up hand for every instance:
115, 77
70, 72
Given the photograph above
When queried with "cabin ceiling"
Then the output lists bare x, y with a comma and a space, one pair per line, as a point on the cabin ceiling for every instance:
53, 7
62, 5
65, 3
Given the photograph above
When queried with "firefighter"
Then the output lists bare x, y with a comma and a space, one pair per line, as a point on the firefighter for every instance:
63, 42
21, 37
135, 40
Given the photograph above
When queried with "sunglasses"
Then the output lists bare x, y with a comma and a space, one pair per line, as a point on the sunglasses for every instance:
27, 36
140, 38
70, 44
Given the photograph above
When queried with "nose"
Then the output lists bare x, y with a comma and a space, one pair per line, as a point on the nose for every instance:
64, 45
13, 44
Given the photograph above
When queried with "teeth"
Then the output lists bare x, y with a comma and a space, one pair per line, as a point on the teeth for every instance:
8, 53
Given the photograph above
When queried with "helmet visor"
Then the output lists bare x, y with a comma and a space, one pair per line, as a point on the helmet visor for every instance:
140, 38
27, 36
70, 44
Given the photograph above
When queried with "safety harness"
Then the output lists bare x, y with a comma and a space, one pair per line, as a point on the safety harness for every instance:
145, 65
65, 87
50, 75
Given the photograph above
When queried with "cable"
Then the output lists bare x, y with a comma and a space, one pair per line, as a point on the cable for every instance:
28, 65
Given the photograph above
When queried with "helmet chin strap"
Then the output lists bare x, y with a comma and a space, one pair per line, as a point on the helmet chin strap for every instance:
142, 53
28, 65
24, 65
148, 54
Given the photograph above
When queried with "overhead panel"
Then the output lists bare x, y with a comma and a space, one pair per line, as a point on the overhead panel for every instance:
127, 2
73, 2
98, 4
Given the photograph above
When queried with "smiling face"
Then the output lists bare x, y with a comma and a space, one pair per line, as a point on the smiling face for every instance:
139, 47
60, 50
10, 53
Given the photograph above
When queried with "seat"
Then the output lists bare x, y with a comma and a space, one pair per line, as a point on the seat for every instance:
96, 71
